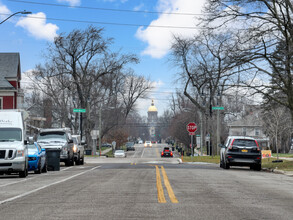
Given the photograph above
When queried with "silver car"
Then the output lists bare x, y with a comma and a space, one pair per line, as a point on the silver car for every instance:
119, 153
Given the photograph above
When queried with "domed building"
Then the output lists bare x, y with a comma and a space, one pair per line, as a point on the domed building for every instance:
152, 121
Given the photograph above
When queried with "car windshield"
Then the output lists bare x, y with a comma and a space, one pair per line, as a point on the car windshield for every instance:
119, 151
244, 143
10, 134
129, 144
166, 149
52, 136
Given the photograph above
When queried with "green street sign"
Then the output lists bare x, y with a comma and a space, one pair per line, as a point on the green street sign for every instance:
218, 108
79, 110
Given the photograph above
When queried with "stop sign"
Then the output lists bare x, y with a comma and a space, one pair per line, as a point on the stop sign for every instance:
191, 127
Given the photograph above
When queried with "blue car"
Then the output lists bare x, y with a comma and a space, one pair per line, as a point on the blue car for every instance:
37, 161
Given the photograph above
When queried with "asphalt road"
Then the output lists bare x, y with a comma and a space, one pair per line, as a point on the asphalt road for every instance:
145, 186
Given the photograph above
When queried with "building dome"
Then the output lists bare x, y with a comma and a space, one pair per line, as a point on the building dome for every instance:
152, 108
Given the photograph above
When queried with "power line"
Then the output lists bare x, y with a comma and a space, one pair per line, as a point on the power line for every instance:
109, 23
104, 9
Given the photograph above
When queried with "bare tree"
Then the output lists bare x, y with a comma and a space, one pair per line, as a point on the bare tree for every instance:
81, 67
278, 125
264, 33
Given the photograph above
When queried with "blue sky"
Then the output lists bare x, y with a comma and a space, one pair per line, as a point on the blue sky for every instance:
137, 26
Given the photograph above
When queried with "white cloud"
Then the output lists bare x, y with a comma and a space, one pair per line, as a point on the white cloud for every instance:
138, 7
38, 27
159, 40
4, 11
71, 2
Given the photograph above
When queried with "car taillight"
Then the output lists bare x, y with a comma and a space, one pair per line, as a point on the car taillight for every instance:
162, 153
257, 145
171, 154
231, 145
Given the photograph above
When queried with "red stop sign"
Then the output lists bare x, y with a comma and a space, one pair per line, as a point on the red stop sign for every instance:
191, 127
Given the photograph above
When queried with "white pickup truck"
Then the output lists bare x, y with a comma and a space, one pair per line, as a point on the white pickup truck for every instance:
13, 149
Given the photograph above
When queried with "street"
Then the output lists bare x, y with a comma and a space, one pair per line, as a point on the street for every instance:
145, 186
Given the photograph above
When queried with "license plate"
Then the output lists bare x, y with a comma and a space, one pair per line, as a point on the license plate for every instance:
244, 150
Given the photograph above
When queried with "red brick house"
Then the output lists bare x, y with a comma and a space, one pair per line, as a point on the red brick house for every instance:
11, 96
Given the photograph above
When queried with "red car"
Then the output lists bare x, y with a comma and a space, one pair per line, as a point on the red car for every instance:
167, 152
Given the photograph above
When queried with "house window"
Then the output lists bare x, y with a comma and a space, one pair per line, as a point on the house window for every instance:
1, 103
257, 132
244, 131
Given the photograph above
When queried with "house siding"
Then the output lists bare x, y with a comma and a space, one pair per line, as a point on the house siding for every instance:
8, 102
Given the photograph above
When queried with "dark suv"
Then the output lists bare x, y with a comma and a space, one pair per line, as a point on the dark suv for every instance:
58, 138
240, 151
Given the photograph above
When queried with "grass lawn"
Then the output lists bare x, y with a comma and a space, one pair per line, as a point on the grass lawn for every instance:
286, 165
283, 155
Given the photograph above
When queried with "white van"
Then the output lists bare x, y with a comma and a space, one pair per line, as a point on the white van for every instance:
13, 149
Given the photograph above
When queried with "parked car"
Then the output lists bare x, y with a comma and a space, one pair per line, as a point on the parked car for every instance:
240, 151
37, 161
78, 150
130, 146
106, 145
140, 142
59, 138
148, 144
167, 152
119, 153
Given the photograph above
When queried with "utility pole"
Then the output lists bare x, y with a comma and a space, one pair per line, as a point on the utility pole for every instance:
100, 129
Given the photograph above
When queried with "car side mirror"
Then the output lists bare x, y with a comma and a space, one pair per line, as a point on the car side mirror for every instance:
70, 141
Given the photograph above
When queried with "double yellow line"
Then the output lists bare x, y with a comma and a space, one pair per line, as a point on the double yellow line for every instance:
161, 196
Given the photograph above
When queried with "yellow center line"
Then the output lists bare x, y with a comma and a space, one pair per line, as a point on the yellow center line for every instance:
161, 196
168, 186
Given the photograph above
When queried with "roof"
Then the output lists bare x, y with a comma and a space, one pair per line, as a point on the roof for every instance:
152, 108
9, 68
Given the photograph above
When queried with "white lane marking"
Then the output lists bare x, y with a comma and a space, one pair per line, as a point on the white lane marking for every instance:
142, 152
16, 182
65, 168
46, 186
8, 184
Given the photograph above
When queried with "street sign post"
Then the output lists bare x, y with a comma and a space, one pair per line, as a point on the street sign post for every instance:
191, 128
80, 110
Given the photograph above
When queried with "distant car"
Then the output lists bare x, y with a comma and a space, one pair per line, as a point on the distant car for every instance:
130, 146
37, 161
148, 144
140, 142
78, 150
167, 152
240, 151
119, 153
106, 145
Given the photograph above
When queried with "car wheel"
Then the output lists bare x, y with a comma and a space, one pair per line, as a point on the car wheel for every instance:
225, 165
38, 171
82, 161
23, 174
72, 161
257, 167
45, 168
77, 162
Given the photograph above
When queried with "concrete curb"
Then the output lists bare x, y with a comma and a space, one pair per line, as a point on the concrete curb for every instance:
277, 171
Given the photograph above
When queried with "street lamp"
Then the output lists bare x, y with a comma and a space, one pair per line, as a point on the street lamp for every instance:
19, 12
